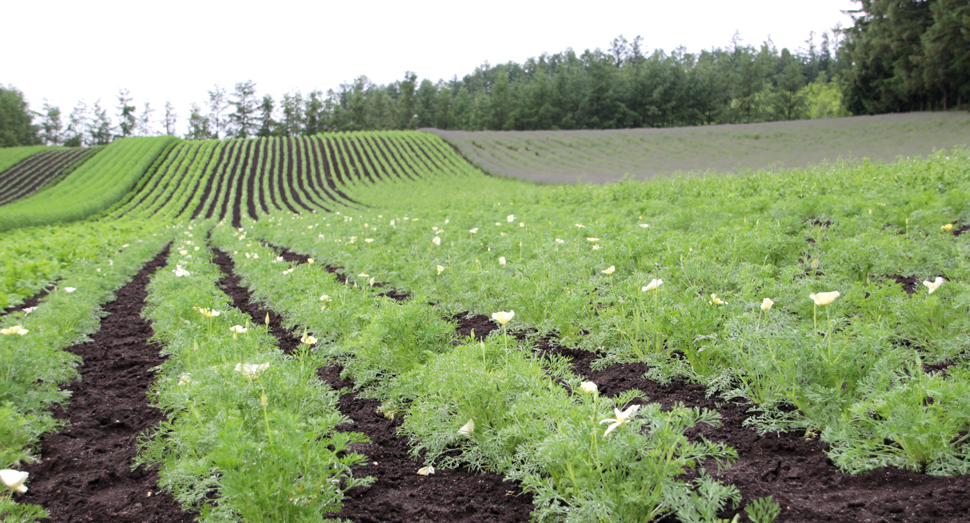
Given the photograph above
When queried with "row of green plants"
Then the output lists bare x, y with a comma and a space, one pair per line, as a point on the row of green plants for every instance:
33, 363
495, 405
40, 171
93, 187
250, 433
585, 263
33, 258
10, 156
306, 174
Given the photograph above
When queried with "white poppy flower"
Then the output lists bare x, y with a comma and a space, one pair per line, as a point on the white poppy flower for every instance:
933, 285
16, 329
621, 418
468, 429
654, 285
426, 471
610, 270
251, 370
824, 298
766, 304
14, 480
588, 387
503, 317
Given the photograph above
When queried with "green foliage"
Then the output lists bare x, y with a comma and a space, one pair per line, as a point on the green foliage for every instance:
93, 187
251, 427
9, 156
763, 510
16, 119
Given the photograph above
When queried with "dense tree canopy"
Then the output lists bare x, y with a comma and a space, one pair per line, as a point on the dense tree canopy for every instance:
16, 119
900, 55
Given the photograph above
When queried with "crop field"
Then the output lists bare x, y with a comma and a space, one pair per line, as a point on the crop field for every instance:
600, 156
365, 327
39, 170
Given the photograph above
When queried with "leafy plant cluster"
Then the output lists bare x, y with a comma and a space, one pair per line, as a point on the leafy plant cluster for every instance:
491, 405
33, 364
578, 261
251, 434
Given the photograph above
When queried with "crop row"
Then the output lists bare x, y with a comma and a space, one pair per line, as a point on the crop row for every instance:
39, 171
257, 177
492, 405
33, 364
10, 156
675, 273
91, 188
251, 428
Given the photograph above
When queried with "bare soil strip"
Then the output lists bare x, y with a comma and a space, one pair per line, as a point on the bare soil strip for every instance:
85, 470
399, 495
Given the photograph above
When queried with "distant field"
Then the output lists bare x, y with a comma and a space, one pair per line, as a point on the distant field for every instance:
602, 156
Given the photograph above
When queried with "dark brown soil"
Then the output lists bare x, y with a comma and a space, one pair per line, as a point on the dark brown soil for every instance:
910, 284
794, 470
399, 494
30, 302
85, 470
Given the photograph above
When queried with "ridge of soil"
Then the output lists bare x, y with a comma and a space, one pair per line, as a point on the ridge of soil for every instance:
85, 470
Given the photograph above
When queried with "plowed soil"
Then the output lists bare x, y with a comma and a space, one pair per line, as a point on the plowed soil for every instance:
85, 473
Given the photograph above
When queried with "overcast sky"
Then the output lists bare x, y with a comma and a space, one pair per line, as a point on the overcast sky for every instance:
177, 50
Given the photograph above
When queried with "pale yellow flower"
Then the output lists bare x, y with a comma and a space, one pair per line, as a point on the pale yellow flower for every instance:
251, 370
510, 218
440, 269
473, 231
467, 430
715, 300
592, 239
369, 240
933, 285
69, 289
324, 297
14, 480
436, 240
610, 270
309, 340
621, 418
426, 471
209, 313
653, 285
588, 387
947, 228
766, 304
16, 329
309, 261
824, 298
238, 329
371, 281
503, 317
501, 260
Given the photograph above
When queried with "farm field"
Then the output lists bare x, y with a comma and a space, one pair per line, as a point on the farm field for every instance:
601, 156
329, 318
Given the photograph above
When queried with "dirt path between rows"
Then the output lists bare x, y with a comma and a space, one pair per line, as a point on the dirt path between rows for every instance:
399, 495
85, 472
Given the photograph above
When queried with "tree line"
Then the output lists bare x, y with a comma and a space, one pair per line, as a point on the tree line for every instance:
898, 56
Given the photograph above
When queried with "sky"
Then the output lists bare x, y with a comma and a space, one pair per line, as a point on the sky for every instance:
65, 51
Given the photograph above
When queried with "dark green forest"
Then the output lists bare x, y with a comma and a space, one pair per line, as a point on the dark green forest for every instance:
909, 55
